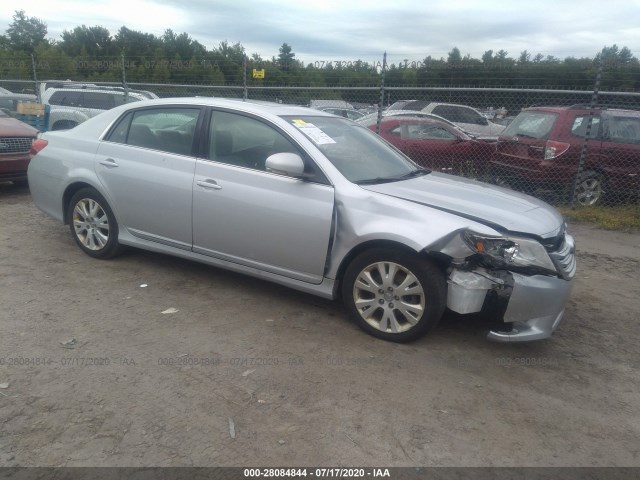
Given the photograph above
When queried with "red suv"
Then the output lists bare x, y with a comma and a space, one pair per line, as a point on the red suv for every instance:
541, 147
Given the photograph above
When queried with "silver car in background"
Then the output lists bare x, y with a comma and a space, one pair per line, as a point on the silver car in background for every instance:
311, 201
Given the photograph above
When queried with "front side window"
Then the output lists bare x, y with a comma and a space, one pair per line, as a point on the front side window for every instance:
423, 132
167, 129
244, 141
97, 100
65, 98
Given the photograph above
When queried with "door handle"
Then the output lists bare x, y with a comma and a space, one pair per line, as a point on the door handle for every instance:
209, 183
109, 162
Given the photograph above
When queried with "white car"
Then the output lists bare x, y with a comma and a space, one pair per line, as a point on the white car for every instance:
73, 105
467, 118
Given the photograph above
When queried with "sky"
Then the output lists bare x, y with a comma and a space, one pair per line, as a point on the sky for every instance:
348, 30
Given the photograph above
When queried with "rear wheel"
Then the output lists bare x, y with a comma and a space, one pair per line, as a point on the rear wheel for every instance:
93, 225
589, 188
394, 295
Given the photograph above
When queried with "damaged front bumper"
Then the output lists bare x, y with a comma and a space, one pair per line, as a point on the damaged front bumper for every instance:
535, 308
531, 306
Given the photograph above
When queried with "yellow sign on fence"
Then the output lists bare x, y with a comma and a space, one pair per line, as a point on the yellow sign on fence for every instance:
258, 73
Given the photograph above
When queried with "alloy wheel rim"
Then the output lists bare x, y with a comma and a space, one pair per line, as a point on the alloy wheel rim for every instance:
589, 191
389, 297
91, 224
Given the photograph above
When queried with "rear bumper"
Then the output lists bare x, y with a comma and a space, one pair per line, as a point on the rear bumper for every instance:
14, 167
536, 308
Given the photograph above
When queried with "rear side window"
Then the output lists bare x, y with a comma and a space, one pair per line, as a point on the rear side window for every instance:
624, 129
167, 129
580, 124
531, 124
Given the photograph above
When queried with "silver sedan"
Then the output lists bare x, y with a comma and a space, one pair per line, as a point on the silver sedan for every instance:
311, 201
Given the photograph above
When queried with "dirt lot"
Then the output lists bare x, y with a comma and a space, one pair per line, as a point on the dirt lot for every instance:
298, 383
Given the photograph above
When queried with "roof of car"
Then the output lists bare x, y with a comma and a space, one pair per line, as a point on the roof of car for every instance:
249, 106
587, 108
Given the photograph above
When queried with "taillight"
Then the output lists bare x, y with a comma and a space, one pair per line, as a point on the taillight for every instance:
37, 145
555, 149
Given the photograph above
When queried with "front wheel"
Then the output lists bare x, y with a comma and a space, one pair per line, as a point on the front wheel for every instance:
394, 295
93, 225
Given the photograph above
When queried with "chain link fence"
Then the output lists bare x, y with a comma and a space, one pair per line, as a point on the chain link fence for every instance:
577, 145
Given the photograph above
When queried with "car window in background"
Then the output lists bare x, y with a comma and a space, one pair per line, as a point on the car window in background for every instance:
97, 100
531, 124
423, 132
460, 114
67, 99
358, 153
624, 129
579, 127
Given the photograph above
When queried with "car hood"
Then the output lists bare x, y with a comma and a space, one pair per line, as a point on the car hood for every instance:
10, 127
497, 207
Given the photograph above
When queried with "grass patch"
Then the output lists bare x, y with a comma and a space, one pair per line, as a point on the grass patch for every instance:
618, 217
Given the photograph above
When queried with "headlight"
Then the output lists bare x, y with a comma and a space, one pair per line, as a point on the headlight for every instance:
504, 252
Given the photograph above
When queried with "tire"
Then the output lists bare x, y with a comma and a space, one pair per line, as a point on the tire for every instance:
371, 292
93, 225
589, 188
495, 177
64, 125
502, 182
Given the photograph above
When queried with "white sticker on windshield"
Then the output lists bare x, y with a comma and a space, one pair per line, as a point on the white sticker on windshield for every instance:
314, 133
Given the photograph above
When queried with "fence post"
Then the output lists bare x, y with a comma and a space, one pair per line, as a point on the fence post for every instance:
587, 136
124, 79
244, 78
381, 104
35, 79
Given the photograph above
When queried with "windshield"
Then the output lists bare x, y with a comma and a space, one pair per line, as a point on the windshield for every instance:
359, 154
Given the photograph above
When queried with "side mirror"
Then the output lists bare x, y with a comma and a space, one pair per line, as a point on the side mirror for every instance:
286, 164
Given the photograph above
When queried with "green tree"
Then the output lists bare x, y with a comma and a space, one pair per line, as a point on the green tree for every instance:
286, 59
26, 33
454, 58
96, 41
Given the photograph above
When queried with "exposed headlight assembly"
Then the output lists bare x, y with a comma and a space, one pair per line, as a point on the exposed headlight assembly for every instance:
505, 252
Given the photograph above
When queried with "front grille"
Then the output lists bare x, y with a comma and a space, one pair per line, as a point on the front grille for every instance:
565, 258
15, 144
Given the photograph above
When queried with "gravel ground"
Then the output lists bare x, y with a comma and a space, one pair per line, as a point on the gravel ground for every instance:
95, 372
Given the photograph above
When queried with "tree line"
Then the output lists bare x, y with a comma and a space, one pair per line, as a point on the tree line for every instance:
93, 53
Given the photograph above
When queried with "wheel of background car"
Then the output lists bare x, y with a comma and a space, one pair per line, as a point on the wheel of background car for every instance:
394, 295
590, 188
502, 182
64, 125
93, 225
